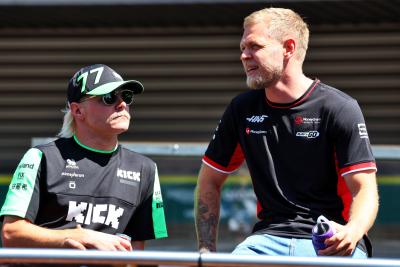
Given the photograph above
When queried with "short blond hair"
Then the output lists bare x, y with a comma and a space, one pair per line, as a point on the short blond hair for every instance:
283, 23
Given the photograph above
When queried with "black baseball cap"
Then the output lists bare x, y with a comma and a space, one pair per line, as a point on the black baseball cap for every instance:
98, 79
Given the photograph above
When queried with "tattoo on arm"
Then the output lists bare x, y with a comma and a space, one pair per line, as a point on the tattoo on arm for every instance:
207, 223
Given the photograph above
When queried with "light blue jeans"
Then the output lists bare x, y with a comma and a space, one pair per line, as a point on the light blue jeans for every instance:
264, 244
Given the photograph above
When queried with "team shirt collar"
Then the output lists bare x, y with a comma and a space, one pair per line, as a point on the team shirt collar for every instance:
95, 150
296, 102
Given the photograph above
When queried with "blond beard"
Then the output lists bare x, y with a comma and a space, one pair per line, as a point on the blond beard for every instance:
264, 80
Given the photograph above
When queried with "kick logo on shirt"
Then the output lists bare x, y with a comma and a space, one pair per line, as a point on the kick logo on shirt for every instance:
88, 213
130, 175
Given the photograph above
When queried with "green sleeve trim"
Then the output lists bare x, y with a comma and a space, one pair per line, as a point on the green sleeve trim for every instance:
22, 184
159, 225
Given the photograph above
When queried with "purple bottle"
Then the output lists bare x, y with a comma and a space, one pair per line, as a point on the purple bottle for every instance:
321, 231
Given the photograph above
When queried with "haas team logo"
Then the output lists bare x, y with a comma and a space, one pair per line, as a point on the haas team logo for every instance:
257, 118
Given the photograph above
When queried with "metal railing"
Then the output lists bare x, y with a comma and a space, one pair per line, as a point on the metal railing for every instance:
145, 258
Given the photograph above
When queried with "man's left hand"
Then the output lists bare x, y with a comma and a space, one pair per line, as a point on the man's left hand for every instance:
343, 243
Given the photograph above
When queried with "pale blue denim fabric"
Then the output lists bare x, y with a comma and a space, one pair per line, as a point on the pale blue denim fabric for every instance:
264, 244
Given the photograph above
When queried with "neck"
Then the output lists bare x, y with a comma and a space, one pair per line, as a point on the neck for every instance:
96, 142
288, 89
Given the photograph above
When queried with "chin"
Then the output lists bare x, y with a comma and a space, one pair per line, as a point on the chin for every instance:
254, 83
118, 131
120, 128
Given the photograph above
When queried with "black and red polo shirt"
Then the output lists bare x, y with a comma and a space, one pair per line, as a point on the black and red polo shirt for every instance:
297, 155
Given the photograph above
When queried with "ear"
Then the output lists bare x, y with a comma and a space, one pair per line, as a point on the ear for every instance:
77, 111
290, 47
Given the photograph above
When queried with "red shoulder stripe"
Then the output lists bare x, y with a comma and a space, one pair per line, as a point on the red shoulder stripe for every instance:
234, 163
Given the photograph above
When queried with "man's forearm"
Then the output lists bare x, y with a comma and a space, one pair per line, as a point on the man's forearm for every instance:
207, 217
363, 211
206, 207
364, 207
23, 234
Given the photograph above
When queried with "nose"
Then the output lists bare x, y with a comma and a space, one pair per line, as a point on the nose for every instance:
120, 104
245, 55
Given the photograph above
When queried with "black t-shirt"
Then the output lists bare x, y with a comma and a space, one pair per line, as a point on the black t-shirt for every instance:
63, 183
297, 155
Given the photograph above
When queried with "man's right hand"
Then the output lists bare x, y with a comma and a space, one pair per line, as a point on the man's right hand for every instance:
71, 243
90, 239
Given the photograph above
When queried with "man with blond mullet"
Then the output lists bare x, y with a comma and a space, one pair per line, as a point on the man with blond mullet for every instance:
305, 144
84, 190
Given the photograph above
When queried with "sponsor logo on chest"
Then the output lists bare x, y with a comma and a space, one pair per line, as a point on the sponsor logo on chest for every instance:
70, 172
129, 175
298, 120
309, 134
306, 127
71, 164
257, 118
88, 213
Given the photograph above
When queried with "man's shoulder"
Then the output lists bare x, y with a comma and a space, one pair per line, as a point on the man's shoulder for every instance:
333, 93
333, 100
131, 155
53, 144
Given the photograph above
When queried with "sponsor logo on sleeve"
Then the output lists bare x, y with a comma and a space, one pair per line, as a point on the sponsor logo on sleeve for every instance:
26, 166
362, 130
22, 176
157, 196
19, 187
216, 130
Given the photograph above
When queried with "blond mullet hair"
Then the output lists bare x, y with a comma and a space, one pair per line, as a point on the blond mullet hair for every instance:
68, 127
282, 23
